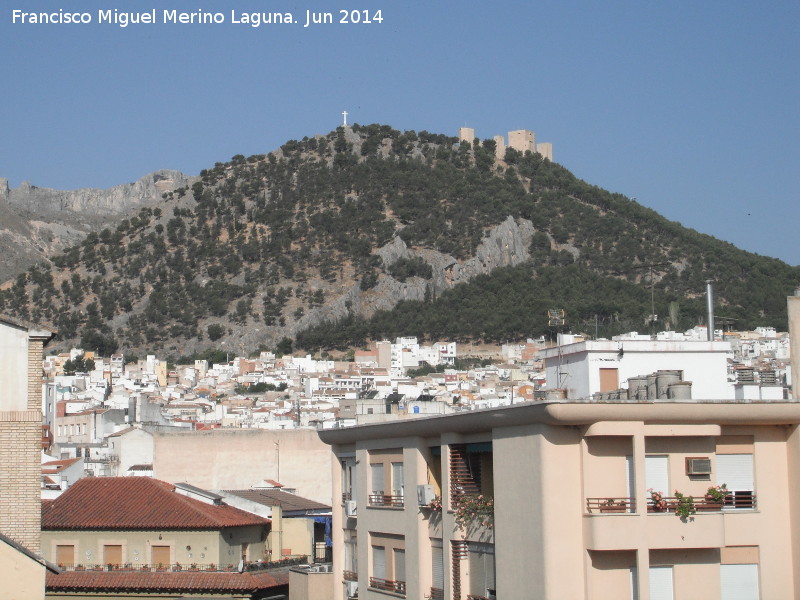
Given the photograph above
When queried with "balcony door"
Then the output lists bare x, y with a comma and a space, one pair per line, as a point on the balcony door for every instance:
736, 472
657, 473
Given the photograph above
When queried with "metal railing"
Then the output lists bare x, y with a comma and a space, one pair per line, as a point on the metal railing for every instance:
176, 567
387, 585
386, 500
735, 500
622, 504
349, 575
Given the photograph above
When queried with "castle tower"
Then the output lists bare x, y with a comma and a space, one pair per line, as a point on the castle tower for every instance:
500, 146
546, 150
522, 140
466, 134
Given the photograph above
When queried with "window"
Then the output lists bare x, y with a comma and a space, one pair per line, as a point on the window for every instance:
437, 565
161, 555
397, 480
376, 472
661, 584
112, 554
399, 564
65, 555
609, 380
739, 582
657, 473
348, 479
379, 562
736, 472
350, 551
481, 570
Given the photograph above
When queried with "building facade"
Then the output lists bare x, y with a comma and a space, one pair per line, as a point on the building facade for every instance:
571, 500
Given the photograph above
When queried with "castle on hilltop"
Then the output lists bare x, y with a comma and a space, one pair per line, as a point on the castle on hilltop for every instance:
521, 140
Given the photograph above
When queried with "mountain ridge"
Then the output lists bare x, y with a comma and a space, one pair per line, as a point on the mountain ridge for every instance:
345, 227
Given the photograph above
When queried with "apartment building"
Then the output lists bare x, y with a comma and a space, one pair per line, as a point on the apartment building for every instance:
572, 499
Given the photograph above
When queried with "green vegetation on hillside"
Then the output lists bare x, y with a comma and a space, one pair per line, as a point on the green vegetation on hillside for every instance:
263, 241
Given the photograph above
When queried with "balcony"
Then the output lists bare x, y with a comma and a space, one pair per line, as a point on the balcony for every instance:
387, 585
385, 501
437, 594
625, 505
349, 575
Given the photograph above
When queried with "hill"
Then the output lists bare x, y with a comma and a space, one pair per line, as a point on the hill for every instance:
370, 232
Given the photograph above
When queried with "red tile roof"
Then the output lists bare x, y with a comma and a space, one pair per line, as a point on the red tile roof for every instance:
182, 581
139, 503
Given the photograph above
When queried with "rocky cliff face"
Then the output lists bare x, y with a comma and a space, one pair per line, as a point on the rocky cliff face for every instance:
36, 222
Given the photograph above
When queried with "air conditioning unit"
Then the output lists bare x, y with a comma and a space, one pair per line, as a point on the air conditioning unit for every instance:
351, 589
425, 494
350, 508
698, 466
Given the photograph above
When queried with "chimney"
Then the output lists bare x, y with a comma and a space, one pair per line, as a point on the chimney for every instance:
793, 306
710, 307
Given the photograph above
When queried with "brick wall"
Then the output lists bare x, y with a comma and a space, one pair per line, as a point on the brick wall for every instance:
20, 473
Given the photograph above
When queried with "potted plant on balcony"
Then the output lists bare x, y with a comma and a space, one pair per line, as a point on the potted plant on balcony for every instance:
657, 502
715, 497
613, 505
435, 504
684, 505
474, 509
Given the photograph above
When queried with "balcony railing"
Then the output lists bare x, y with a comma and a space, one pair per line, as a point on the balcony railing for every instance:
437, 594
349, 575
386, 500
174, 567
737, 500
387, 585
346, 496
611, 505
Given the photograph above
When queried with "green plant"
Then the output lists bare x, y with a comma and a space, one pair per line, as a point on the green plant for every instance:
436, 503
684, 505
657, 500
717, 493
469, 508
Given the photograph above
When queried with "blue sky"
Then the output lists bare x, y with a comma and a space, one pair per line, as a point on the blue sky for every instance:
690, 107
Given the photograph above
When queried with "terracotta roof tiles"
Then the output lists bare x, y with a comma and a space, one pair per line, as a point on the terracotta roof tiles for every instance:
139, 503
182, 581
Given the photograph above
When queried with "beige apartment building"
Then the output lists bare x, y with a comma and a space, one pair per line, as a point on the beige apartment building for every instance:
573, 514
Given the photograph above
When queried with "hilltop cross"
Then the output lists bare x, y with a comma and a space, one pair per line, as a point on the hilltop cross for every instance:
344, 115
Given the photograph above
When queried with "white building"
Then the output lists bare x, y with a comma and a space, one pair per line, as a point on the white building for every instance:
586, 368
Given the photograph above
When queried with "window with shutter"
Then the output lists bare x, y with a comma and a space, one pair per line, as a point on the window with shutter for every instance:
161, 555
661, 583
736, 472
379, 562
481, 567
657, 473
437, 564
398, 484
65, 555
739, 582
377, 478
399, 565
112, 555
